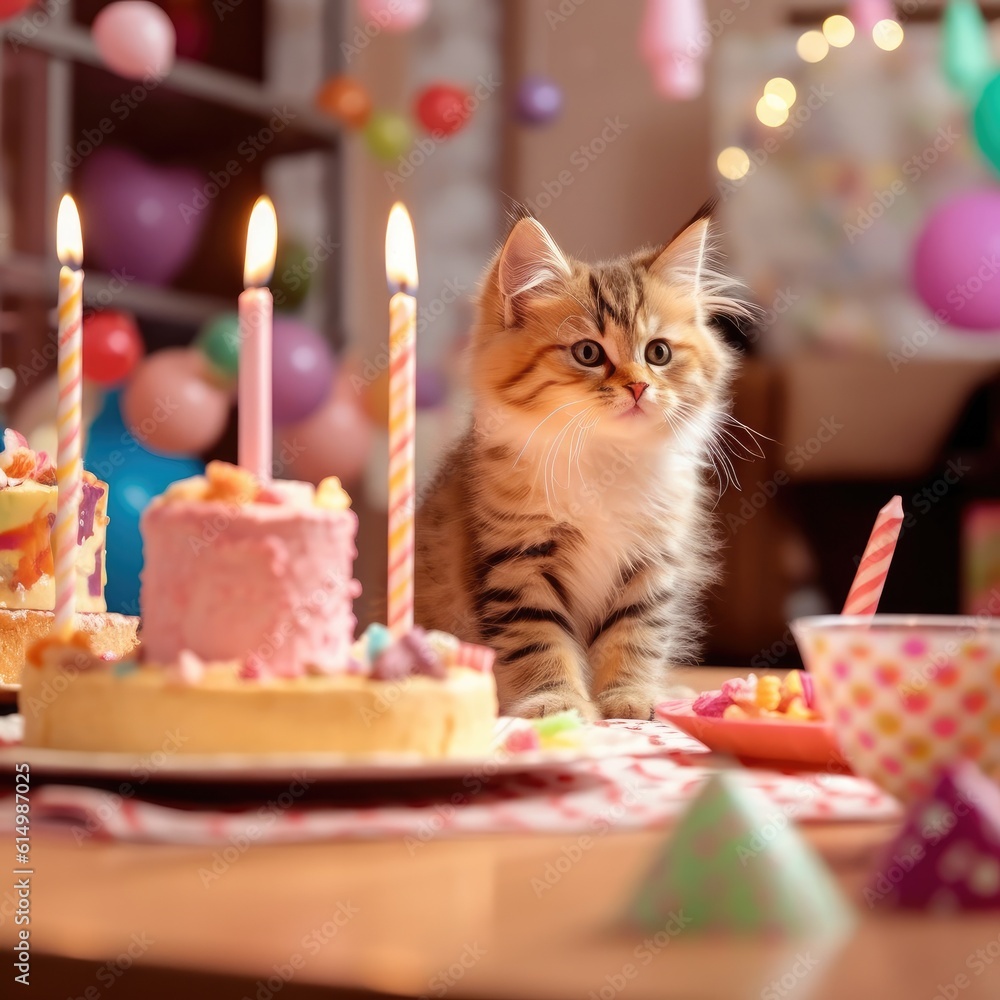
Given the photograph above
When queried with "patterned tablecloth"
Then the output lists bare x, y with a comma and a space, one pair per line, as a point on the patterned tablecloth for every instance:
590, 798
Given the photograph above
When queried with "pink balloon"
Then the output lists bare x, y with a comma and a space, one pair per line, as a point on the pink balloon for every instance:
334, 441
395, 15
954, 263
135, 38
172, 405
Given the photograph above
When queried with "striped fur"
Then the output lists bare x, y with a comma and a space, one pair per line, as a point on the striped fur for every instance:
569, 527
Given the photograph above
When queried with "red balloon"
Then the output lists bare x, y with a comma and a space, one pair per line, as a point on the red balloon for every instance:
8, 8
443, 107
112, 346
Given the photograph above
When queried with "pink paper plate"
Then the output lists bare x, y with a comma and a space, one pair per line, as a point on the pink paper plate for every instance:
774, 741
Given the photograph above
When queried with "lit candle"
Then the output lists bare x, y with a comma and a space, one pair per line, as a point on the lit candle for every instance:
401, 273
869, 580
255, 342
69, 466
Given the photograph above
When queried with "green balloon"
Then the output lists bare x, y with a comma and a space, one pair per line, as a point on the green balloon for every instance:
986, 121
388, 135
219, 341
293, 272
967, 59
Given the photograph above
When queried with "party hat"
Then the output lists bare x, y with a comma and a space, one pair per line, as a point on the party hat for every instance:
947, 855
735, 862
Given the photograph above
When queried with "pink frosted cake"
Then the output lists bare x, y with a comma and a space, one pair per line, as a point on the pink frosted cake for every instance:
248, 643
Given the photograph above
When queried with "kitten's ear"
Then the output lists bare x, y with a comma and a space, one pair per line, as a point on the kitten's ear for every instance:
530, 266
687, 259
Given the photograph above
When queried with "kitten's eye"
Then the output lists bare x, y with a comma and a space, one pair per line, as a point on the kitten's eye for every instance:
589, 353
658, 352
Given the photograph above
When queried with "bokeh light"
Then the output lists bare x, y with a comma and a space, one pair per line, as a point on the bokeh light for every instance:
733, 163
888, 35
812, 46
838, 31
781, 88
772, 111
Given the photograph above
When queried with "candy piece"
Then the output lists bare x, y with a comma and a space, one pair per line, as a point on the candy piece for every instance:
798, 709
425, 658
768, 694
735, 863
522, 741
947, 854
377, 639
808, 689
479, 658
331, 495
735, 712
393, 664
711, 704
445, 645
188, 670
739, 688
230, 483
561, 722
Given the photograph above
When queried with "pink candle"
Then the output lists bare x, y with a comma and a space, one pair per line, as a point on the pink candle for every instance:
863, 597
69, 465
255, 307
401, 273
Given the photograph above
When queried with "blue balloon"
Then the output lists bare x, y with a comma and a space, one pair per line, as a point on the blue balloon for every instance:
134, 476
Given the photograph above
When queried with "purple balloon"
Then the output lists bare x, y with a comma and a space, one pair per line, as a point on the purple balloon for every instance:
539, 100
955, 261
302, 371
140, 219
432, 388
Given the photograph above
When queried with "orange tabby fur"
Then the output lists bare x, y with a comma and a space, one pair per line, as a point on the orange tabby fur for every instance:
569, 527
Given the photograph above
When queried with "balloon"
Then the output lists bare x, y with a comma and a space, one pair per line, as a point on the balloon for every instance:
301, 371
112, 346
966, 54
432, 388
956, 246
139, 219
670, 32
539, 100
443, 108
172, 405
346, 99
8, 8
134, 476
395, 15
219, 341
334, 441
293, 272
135, 39
985, 123
388, 135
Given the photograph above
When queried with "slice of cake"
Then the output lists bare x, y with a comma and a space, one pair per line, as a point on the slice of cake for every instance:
28, 499
248, 643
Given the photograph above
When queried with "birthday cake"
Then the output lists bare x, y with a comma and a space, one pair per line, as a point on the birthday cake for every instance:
248, 643
28, 498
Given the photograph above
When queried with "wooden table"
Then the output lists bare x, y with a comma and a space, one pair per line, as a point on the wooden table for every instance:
462, 918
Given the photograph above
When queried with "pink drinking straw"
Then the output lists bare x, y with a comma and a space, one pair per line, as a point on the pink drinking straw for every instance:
863, 597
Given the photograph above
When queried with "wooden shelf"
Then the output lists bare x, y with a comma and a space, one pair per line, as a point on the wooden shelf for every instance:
254, 103
36, 278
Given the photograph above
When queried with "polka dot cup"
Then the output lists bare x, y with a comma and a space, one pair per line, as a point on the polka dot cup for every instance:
907, 694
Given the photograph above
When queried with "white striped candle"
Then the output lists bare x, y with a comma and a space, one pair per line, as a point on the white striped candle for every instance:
69, 464
401, 273
863, 597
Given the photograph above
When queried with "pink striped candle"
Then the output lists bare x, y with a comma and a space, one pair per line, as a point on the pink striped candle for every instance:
401, 274
69, 465
863, 597
255, 311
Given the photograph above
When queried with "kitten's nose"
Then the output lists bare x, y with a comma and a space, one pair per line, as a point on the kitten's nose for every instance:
638, 388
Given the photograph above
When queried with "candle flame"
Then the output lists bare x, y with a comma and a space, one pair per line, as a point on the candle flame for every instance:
69, 239
400, 250
262, 244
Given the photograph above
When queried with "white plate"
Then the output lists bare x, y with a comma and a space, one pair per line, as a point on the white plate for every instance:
598, 743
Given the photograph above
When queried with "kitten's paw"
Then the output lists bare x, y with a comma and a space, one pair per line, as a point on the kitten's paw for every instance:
543, 703
628, 703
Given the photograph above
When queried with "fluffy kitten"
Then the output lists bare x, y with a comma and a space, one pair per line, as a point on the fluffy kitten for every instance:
569, 527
